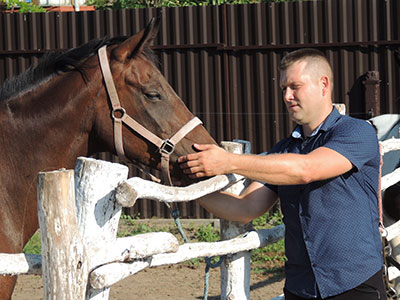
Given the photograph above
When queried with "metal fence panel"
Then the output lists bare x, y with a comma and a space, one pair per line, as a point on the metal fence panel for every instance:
223, 60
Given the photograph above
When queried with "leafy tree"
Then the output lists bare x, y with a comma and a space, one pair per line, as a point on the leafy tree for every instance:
117, 4
22, 6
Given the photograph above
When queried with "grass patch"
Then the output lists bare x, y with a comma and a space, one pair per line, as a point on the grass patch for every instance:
270, 259
34, 245
207, 234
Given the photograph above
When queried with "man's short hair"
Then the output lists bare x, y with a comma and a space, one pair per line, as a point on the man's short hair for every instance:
315, 59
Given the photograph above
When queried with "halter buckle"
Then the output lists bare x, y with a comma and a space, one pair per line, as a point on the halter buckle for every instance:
167, 147
118, 113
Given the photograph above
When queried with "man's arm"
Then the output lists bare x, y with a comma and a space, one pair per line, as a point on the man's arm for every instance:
279, 169
254, 202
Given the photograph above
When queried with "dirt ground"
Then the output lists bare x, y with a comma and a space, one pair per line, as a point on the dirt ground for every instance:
166, 282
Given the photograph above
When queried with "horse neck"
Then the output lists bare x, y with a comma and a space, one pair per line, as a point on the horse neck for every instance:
44, 129
53, 121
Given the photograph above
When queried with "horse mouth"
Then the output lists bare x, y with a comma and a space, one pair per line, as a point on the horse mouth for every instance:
180, 179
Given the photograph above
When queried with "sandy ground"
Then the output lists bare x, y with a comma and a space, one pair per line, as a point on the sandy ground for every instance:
166, 282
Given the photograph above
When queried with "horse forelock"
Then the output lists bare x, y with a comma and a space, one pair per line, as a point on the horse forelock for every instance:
54, 63
149, 54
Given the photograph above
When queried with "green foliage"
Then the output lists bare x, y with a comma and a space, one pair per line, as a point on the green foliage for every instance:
270, 259
33, 246
269, 220
133, 228
207, 234
22, 6
119, 4
29, 7
139, 229
129, 219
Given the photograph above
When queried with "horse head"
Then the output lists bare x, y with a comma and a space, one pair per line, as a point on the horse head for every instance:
144, 121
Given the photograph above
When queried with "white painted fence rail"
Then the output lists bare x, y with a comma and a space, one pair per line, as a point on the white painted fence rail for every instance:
109, 274
16, 264
134, 188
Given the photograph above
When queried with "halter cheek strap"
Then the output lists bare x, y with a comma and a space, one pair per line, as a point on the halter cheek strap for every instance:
166, 147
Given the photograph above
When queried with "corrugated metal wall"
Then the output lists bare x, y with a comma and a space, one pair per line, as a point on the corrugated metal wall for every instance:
222, 60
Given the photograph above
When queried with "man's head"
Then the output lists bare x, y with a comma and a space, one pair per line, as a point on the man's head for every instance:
306, 81
317, 65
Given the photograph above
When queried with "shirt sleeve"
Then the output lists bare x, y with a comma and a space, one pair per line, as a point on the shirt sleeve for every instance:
356, 140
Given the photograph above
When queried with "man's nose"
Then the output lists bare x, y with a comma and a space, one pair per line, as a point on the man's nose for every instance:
287, 94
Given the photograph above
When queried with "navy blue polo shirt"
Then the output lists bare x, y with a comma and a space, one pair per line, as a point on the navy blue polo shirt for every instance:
332, 240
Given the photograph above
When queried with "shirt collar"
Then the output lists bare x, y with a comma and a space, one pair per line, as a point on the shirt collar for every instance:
328, 123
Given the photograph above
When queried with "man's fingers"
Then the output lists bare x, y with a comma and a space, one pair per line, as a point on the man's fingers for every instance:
202, 147
182, 159
188, 164
193, 164
192, 170
194, 156
186, 158
196, 175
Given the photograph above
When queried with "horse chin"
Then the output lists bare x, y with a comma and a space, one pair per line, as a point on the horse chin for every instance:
180, 179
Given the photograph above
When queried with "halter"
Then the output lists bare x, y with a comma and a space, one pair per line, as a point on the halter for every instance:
118, 113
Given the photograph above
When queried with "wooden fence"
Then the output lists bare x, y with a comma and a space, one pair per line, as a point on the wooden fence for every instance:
79, 212
79, 242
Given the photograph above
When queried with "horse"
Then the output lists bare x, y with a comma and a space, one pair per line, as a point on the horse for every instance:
60, 110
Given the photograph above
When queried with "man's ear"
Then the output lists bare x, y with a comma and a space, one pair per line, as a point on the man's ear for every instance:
325, 84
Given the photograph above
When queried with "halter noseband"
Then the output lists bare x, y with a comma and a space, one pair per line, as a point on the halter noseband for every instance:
166, 147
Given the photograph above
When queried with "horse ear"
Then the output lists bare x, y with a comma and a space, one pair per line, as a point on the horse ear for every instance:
136, 43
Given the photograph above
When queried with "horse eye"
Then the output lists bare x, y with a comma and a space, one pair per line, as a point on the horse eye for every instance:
153, 96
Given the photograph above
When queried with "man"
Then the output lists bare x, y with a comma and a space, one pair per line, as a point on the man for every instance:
326, 177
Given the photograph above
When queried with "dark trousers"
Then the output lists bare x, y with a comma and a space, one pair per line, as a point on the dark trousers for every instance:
372, 289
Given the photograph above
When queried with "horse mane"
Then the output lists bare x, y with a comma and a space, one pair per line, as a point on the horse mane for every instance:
53, 63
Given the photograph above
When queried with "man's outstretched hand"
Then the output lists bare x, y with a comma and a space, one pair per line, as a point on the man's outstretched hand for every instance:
211, 160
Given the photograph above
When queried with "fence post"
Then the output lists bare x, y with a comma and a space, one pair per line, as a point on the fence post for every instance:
235, 271
97, 211
372, 94
64, 267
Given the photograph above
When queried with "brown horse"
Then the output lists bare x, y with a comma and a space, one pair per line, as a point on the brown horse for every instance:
60, 110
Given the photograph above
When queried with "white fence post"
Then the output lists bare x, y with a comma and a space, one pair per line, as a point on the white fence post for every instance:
98, 214
235, 270
64, 268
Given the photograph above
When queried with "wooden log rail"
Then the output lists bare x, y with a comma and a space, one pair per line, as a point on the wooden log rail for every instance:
109, 274
134, 188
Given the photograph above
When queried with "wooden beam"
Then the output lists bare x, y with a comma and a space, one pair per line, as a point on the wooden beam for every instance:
134, 188
65, 268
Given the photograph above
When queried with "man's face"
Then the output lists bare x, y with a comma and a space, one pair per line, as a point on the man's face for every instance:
301, 94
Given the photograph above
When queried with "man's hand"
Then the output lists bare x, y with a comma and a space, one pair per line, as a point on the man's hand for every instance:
209, 161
